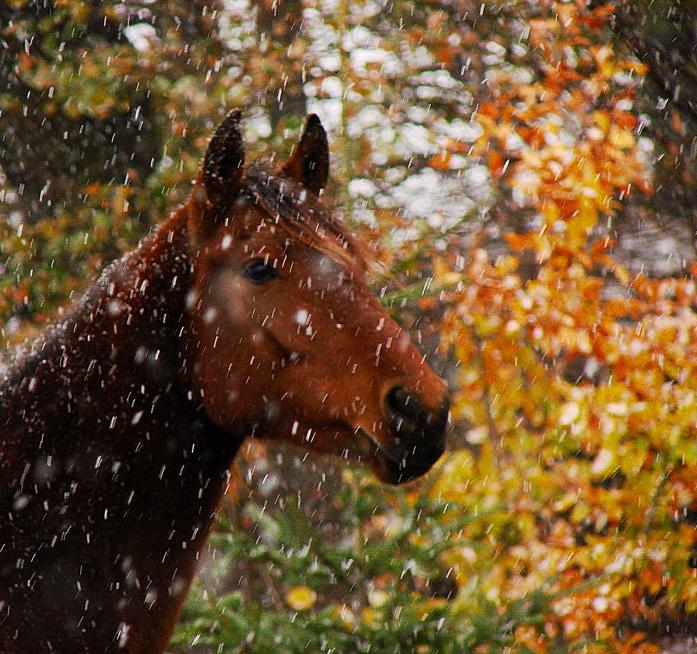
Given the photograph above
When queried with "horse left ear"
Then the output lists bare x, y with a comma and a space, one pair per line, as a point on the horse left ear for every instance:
309, 161
223, 164
220, 179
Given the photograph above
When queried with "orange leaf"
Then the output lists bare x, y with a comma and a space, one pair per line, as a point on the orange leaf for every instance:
440, 161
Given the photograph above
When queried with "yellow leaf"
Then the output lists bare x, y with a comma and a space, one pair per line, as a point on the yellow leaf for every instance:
621, 138
301, 598
371, 617
602, 120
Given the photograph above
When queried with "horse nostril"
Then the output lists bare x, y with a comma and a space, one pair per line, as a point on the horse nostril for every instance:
400, 402
409, 418
419, 433
396, 398
404, 412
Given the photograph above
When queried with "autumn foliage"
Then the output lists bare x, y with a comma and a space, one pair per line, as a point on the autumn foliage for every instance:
595, 462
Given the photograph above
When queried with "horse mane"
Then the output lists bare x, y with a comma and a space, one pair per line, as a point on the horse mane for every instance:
20, 365
303, 217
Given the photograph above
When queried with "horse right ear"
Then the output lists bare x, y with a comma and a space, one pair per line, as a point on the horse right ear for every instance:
309, 162
223, 165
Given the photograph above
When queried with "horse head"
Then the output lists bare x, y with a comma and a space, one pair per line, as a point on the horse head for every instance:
290, 341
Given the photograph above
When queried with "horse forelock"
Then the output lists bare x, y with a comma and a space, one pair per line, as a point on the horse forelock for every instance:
304, 218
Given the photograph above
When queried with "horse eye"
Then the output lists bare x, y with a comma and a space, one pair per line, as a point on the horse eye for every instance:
258, 271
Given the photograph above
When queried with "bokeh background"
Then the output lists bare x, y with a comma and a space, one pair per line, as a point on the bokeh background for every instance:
525, 173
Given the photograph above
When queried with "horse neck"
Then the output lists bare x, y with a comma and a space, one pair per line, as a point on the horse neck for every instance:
102, 439
122, 353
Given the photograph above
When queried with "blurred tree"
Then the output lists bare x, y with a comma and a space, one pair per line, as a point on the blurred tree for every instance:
50, 150
662, 35
281, 51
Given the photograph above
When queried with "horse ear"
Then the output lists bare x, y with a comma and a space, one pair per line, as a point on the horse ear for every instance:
309, 161
223, 165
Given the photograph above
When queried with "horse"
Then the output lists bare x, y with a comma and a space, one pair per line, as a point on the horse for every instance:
245, 313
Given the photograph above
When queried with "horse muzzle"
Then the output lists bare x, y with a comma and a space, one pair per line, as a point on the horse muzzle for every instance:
418, 436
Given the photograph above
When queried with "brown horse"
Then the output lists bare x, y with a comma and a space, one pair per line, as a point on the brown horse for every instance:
245, 313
